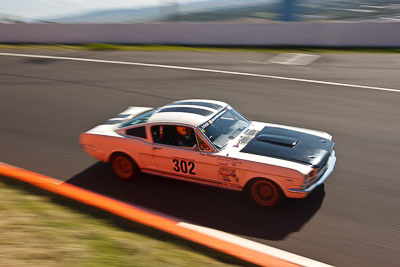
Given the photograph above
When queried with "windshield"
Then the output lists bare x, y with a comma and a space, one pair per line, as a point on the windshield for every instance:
224, 127
141, 118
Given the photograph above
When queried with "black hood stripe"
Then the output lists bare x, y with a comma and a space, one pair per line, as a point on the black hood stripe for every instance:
290, 145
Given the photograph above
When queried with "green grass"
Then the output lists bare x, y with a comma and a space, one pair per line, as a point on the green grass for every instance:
266, 49
42, 229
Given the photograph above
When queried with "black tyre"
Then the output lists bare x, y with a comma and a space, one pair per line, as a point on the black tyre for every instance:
124, 167
264, 192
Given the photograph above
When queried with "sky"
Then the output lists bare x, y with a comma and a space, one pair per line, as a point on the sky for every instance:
37, 9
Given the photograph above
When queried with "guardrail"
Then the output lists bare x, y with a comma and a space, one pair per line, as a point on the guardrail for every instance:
251, 254
350, 34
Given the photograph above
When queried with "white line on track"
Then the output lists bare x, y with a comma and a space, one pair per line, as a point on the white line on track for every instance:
205, 70
299, 59
277, 253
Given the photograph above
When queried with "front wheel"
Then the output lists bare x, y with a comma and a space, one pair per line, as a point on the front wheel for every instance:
124, 167
264, 193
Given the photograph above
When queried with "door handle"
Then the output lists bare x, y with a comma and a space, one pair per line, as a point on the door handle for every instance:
156, 148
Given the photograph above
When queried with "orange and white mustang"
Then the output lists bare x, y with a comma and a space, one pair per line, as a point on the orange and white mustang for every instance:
209, 142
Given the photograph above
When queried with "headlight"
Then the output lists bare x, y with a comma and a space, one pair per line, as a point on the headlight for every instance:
310, 176
313, 173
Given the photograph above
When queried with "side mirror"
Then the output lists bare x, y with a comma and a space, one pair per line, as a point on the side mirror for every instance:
197, 148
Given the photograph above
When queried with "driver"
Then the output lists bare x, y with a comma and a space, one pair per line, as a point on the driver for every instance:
184, 137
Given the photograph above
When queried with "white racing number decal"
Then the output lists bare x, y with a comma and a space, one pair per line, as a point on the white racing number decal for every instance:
184, 166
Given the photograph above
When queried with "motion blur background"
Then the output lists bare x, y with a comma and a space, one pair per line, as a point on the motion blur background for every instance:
92, 11
47, 98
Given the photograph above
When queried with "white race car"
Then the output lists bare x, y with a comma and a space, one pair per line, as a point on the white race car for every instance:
209, 142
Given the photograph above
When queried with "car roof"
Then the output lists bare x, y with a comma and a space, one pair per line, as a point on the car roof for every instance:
192, 112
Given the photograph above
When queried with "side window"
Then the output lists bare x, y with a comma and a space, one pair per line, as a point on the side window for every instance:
173, 135
137, 132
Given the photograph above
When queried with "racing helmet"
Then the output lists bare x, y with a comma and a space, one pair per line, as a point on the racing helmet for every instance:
182, 130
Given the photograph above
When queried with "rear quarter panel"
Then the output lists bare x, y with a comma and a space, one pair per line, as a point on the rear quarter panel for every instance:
102, 147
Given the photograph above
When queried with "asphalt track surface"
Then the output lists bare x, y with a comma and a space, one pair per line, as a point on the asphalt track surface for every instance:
353, 220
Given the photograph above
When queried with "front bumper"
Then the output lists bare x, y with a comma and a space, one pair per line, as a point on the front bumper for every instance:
299, 193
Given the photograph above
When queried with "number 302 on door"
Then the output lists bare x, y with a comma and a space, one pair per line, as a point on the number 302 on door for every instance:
184, 166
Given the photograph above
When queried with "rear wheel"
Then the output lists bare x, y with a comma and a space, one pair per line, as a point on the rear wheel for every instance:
264, 193
124, 167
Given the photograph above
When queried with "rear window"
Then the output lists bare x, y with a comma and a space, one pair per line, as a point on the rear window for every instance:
141, 118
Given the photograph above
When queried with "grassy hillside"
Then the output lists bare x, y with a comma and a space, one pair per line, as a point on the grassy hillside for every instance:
41, 229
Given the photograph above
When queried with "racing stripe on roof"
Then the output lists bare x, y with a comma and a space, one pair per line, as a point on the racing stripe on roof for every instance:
197, 103
113, 122
198, 111
122, 115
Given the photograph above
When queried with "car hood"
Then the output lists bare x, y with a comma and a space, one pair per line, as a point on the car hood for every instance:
290, 145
